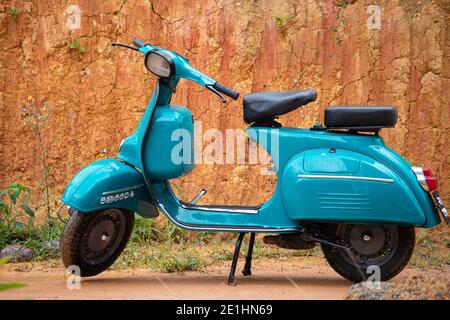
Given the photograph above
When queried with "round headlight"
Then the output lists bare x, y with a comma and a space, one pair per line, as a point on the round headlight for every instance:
159, 63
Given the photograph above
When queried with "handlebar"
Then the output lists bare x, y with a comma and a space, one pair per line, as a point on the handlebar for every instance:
226, 91
191, 74
139, 43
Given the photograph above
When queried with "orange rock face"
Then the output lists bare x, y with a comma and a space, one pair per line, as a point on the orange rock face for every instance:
65, 91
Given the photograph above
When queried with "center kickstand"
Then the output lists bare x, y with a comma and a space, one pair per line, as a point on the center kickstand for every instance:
230, 281
247, 271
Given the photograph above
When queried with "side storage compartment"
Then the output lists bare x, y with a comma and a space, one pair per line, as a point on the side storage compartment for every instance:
169, 151
342, 185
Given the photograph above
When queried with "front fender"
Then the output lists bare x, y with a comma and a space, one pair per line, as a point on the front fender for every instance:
109, 183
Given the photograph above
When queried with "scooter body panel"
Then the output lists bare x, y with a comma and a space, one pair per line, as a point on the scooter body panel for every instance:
389, 194
109, 183
169, 151
342, 185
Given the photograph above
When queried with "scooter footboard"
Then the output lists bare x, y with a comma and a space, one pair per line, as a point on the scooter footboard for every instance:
109, 183
342, 185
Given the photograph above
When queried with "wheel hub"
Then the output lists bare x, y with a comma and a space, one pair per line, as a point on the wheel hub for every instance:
367, 241
102, 237
369, 244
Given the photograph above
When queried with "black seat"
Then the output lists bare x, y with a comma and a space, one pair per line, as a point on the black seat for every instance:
360, 118
264, 106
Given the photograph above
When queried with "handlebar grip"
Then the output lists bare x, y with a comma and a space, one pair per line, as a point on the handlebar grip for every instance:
226, 91
139, 43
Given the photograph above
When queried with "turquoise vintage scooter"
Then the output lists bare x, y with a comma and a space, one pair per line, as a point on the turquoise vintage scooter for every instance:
338, 184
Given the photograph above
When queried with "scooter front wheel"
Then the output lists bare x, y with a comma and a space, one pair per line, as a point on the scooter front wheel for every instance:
93, 241
379, 251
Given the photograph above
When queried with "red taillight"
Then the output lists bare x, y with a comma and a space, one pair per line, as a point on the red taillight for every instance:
430, 179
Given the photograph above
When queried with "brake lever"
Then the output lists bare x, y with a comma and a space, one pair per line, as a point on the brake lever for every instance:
116, 44
213, 90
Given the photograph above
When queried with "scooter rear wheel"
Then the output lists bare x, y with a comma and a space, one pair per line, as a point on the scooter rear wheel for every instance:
387, 247
93, 241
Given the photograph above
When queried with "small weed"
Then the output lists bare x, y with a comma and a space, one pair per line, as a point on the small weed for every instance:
34, 115
425, 257
429, 252
221, 255
251, 53
179, 264
339, 37
423, 238
144, 230
282, 23
51, 229
178, 188
13, 12
172, 233
203, 237
344, 3
76, 45
16, 216
412, 162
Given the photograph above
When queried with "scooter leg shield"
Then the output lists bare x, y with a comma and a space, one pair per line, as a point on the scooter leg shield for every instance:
109, 183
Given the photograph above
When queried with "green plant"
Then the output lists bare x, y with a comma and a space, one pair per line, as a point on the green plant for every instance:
13, 12
221, 255
203, 237
282, 23
14, 210
423, 238
339, 30
412, 162
51, 229
35, 117
17, 222
76, 45
179, 263
344, 3
175, 234
144, 230
178, 188
11, 285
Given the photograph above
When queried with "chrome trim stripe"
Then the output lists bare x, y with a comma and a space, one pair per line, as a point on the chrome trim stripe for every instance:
314, 176
224, 228
218, 209
123, 189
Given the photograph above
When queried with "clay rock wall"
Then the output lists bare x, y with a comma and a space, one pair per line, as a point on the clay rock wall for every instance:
87, 96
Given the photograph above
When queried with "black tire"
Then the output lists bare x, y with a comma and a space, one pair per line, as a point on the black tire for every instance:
93, 241
397, 246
